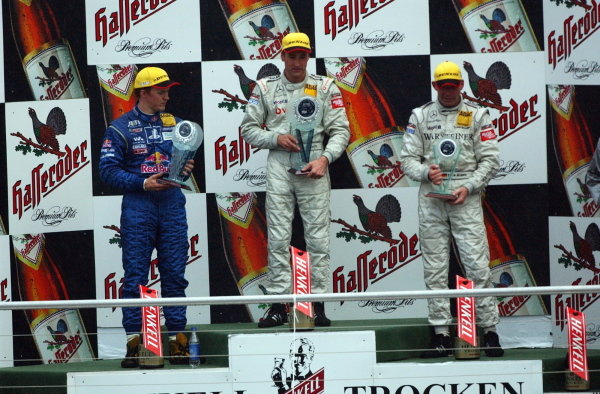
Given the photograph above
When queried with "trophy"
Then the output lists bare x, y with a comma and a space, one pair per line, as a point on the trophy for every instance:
304, 114
187, 137
445, 154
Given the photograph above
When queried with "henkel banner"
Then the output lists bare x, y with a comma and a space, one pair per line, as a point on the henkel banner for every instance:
6, 343
151, 322
511, 87
109, 269
125, 31
232, 164
301, 274
574, 249
577, 344
362, 28
375, 247
572, 35
49, 166
465, 307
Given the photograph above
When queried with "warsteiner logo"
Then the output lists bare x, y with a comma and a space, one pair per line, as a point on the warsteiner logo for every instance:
301, 378
108, 25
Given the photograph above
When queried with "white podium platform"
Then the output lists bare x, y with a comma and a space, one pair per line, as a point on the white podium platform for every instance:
317, 362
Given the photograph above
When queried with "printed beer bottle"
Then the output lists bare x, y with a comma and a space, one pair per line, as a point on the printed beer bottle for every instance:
258, 26
59, 334
244, 234
509, 268
116, 89
574, 147
375, 137
47, 58
496, 25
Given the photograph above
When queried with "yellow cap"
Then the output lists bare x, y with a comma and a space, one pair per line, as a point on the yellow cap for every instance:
153, 76
447, 70
296, 42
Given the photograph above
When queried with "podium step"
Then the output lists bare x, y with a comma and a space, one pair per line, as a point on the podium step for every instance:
396, 341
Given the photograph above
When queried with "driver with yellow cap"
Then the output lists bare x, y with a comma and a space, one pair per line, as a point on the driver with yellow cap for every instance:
464, 136
267, 125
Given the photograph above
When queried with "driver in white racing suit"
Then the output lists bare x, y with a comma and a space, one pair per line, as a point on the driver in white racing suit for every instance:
469, 134
266, 125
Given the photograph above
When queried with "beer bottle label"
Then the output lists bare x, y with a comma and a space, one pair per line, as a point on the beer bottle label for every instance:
513, 271
561, 99
259, 29
498, 26
366, 155
61, 338
117, 79
29, 251
236, 209
347, 72
254, 284
582, 203
52, 72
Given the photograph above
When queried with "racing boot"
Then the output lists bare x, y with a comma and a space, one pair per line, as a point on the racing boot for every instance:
178, 349
276, 316
131, 359
491, 343
441, 346
320, 319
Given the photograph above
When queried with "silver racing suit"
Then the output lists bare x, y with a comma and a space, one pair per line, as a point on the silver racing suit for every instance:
267, 106
477, 161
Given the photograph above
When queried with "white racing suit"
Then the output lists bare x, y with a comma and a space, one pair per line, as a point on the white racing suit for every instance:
477, 162
267, 106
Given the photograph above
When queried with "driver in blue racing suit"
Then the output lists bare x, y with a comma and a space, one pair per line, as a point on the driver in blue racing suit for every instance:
136, 152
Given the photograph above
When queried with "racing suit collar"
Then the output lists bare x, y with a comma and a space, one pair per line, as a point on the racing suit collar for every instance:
144, 116
447, 110
292, 86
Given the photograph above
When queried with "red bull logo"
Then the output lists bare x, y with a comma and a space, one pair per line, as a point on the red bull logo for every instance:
155, 163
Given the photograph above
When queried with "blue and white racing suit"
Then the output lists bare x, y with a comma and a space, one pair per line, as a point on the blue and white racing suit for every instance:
135, 146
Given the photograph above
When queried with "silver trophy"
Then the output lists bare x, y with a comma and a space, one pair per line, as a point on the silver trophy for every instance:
187, 138
304, 113
445, 154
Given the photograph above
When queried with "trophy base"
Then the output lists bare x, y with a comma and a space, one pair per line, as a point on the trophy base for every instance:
464, 350
298, 321
171, 182
149, 360
443, 196
575, 383
297, 172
